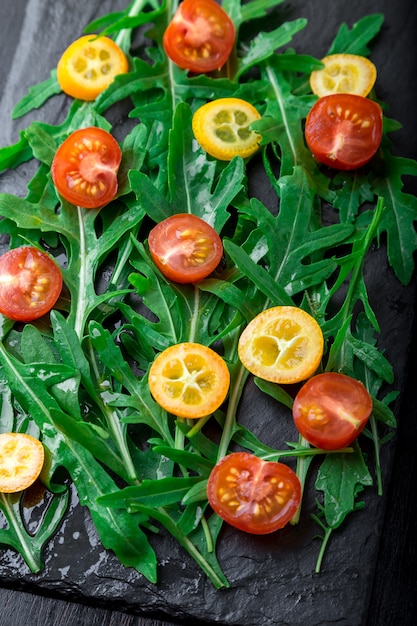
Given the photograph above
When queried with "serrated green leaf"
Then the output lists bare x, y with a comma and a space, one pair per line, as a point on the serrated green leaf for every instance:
37, 96
341, 477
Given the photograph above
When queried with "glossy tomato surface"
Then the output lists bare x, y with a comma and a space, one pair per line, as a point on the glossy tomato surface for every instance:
200, 36
30, 283
185, 248
253, 495
344, 131
89, 65
85, 166
331, 410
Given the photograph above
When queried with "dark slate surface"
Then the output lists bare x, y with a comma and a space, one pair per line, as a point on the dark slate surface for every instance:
273, 580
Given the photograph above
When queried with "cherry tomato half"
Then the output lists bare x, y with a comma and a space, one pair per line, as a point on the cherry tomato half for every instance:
30, 283
185, 248
253, 495
344, 131
89, 65
331, 409
85, 167
200, 36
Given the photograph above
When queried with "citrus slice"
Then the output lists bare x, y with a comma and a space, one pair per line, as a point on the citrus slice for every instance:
89, 65
283, 344
189, 380
344, 73
222, 128
21, 461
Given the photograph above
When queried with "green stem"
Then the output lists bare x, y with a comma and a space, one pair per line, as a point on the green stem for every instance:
303, 463
113, 422
163, 517
375, 439
123, 38
235, 394
82, 278
325, 540
22, 537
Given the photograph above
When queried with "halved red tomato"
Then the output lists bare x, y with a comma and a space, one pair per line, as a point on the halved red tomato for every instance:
30, 283
200, 36
343, 130
185, 248
253, 495
331, 409
85, 166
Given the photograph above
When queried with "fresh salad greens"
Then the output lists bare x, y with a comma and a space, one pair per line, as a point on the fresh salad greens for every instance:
80, 383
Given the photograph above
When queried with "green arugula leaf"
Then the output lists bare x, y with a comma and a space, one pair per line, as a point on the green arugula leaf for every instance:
356, 40
341, 478
37, 96
30, 544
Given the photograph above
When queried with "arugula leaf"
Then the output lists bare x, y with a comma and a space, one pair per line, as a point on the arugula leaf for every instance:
37, 96
31, 544
341, 478
356, 39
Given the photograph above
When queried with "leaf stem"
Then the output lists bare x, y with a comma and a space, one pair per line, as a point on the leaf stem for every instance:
235, 394
113, 422
82, 278
324, 541
26, 551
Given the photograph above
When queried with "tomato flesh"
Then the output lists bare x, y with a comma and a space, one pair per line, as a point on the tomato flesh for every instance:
30, 283
185, 248
253, 495
331, 410
200, 36
85, 166
344, 131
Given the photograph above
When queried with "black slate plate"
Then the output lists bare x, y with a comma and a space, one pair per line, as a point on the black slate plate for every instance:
272, 577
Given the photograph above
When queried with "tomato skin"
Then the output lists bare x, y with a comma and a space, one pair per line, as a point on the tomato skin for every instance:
185, 248
331, 410
84, 169
30, 283
200, 36
256, 496
89, 65
344, 131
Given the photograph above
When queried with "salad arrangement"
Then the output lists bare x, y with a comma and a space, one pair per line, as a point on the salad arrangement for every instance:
102, 376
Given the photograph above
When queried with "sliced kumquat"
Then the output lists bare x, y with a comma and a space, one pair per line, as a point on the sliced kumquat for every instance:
189, 380
89, 65
344, 73
283, 344
222, 128
21, 461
